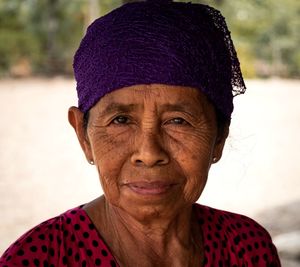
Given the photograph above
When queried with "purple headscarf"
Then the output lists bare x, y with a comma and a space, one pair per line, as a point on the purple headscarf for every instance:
159, 42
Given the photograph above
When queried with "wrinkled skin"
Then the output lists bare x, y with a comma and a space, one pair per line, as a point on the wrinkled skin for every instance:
153, 146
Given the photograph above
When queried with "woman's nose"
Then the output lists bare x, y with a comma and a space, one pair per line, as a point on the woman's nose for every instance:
149, 151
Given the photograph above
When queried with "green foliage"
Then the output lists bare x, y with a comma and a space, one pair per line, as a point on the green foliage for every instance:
47, 33
271, 27
266, 34
15, 45
108, 5
14, 42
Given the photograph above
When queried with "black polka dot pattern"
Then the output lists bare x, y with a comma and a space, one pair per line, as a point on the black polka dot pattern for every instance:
234, 240
71, 239
67, 240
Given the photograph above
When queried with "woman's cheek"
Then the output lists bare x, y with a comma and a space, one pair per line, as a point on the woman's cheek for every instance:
111, 150
192, 152
110, 187
110, 144
194, 187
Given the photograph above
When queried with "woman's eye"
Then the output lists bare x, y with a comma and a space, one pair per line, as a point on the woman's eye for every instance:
177, 121
120, 120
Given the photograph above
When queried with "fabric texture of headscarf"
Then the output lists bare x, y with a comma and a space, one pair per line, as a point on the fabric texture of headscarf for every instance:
162, 42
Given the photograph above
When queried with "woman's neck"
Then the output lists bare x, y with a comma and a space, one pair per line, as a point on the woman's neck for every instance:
157, 242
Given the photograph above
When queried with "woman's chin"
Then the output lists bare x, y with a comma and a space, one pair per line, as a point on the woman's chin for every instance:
149, 205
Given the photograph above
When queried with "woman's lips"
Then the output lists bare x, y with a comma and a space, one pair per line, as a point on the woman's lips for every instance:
150, 188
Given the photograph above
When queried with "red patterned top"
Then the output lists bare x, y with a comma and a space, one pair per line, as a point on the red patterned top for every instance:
71, 239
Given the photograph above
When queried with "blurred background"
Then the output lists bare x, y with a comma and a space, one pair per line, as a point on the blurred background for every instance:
42, 169
39, 37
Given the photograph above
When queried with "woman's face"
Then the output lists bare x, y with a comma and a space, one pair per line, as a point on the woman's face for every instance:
153, 146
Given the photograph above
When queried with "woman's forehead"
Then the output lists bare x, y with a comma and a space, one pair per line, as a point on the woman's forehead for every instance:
154, 92
166, 97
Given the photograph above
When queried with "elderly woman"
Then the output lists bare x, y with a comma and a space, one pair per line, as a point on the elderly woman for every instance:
155, 83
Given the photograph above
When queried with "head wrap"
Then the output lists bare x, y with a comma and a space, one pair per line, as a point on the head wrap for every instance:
163, 42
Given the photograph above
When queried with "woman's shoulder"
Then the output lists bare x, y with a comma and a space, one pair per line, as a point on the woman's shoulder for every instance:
244, 239
67, 239
44, 240
232, 220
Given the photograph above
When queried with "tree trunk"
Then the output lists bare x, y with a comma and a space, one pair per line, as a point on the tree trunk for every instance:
52, 54
94, 10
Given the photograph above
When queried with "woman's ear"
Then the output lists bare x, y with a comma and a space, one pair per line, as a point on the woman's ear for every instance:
220, 142
75, 117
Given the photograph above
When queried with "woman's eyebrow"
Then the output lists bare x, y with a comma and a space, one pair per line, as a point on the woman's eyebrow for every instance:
118, 107
121, 107
182, 106
179, 106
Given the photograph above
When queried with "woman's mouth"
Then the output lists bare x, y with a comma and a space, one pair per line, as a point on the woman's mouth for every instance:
150, 188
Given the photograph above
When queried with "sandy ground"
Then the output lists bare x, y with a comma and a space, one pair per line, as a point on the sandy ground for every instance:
43, 171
